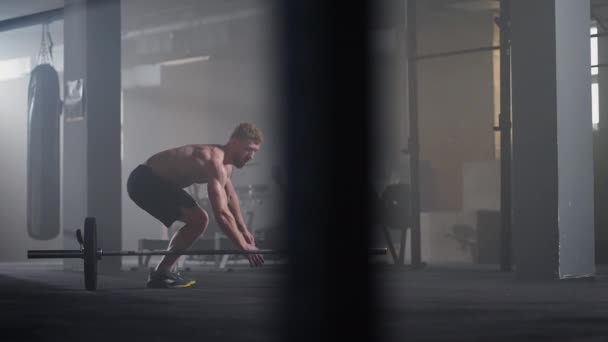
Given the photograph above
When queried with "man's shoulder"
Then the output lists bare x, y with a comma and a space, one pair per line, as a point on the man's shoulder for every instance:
215, 164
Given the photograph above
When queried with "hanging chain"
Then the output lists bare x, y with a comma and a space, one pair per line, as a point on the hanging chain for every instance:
45, 56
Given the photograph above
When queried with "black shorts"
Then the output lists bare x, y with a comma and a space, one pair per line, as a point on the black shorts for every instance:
157, 196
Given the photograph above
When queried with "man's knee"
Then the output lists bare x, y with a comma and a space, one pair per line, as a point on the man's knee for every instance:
196, 217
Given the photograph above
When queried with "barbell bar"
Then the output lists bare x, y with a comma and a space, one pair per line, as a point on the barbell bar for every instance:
75, 253
91, 254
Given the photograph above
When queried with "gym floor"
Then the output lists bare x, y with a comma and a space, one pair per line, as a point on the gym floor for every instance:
479, 303
50, 304
40, 302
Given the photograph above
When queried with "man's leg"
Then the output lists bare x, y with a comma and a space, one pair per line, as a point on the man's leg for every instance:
174, 228
196, 220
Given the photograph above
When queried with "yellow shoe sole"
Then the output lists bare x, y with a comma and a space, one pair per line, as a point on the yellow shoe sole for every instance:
189, 284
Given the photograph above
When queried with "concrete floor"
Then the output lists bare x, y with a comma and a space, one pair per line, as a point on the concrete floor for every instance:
51, 305
482, 304
40, 302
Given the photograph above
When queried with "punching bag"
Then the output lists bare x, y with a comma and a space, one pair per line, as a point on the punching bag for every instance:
43, 155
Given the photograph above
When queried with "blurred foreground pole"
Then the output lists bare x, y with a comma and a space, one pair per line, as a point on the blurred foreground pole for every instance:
325, 75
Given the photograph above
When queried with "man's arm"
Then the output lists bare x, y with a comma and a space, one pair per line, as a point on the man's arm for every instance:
235, 208
234, 205
219, 203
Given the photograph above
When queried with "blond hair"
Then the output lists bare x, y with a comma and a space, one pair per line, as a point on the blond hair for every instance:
247, 131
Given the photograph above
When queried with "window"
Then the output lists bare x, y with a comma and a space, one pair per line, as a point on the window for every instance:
595, 91
14, 68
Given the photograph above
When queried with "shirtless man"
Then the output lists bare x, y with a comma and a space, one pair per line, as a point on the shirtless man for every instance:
157, 187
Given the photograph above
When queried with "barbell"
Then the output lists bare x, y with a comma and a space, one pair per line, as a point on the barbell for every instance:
91, 254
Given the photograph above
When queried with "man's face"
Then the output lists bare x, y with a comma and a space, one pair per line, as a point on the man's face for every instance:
245, 152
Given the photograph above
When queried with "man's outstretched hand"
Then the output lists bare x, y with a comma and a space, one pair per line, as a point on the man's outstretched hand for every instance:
255, 260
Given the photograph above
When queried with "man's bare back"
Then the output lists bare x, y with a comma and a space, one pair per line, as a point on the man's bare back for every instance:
188, 164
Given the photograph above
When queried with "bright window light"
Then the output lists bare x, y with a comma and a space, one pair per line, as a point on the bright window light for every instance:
595, 91
14, 68
594, 53
595, 103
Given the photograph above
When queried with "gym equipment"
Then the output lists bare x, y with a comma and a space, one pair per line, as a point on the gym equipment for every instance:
44, 110
91, 254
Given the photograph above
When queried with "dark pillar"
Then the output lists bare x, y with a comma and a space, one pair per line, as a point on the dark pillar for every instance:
414, 141
325, 73
552, 139
506, 249
92, 138
601, 154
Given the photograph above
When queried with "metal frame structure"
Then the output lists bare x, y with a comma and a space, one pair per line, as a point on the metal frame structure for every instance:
31, 19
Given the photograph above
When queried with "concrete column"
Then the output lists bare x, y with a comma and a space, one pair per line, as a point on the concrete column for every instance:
92, 139
553, 224
74, 181
601, 156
